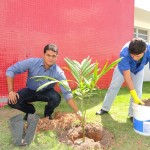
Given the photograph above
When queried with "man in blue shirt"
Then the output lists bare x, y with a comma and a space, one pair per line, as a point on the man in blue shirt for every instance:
46, 66
135, 55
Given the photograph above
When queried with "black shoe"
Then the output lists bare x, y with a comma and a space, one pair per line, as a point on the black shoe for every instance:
47, 113
50, 117
131, 119
101, 112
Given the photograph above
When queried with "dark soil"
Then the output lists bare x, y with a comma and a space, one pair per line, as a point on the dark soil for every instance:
146, 102
96, 137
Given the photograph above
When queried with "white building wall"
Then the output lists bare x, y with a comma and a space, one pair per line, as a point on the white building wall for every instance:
142, 20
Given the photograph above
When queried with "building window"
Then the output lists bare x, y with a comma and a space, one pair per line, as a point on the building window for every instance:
141, 33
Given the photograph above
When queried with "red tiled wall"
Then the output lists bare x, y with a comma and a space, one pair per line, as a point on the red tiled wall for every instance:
80, 28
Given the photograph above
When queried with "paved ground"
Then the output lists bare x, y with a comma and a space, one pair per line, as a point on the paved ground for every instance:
3, 99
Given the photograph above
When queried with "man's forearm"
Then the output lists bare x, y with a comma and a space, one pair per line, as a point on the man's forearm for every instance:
10, 84
128, 80
73, 105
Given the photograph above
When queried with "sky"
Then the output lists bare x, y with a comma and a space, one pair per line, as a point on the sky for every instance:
143, 4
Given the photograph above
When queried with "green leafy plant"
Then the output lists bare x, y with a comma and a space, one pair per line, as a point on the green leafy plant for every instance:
64, 83
86, 75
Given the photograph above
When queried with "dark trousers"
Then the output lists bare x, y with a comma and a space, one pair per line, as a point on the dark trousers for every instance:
26, 96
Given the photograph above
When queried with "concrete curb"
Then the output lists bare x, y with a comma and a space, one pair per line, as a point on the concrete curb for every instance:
3, 101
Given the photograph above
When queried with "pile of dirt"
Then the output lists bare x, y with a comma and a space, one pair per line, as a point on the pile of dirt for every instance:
146, 102
96, 137
60, 122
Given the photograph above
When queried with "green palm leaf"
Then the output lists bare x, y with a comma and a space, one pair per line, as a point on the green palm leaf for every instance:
85, 63
112, 65
39, 78
46, 84
88, 70
64, 83
73, 69
106, 69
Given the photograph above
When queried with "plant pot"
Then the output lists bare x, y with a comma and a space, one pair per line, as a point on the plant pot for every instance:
141, 119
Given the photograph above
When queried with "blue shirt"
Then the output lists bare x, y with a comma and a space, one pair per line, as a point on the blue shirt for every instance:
35, 67
128, 63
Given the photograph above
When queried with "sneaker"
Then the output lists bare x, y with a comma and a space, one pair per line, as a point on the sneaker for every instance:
131, 119
101, 112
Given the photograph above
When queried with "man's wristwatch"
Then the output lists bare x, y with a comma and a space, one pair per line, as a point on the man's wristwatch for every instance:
79, 113
10, 92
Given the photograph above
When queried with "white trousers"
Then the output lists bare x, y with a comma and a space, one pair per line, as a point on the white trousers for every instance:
115, 85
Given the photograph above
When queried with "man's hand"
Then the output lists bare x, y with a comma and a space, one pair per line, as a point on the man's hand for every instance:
80, 116
12, 97
136, 100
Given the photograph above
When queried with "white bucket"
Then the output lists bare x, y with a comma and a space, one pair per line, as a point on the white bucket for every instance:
141, 119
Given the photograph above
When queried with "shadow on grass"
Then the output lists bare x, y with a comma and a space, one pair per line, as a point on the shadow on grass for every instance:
146, 89
120, 130
114, 125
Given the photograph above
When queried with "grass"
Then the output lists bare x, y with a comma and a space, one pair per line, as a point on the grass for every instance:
116, 121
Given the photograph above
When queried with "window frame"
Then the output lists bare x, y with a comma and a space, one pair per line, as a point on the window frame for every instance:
140, 35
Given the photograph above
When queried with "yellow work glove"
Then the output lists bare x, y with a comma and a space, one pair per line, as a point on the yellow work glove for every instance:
136, 100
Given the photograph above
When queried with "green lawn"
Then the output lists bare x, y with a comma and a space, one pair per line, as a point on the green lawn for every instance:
116, 122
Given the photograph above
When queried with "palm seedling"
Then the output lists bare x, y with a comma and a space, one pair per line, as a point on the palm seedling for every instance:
86, 75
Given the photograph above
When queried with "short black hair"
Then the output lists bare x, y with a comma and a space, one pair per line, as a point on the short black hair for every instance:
137, 46
52, 47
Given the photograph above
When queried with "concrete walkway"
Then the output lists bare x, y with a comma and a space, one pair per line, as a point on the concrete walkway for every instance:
3, 101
